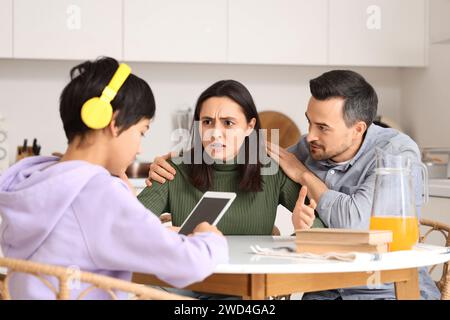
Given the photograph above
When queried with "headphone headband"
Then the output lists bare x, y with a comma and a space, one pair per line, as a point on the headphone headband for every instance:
119, 77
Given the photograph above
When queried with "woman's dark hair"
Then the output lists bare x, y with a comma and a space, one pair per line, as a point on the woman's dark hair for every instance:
201, 174
134, 99
361, 100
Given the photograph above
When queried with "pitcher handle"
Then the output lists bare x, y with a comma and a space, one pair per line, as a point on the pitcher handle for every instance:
426, 194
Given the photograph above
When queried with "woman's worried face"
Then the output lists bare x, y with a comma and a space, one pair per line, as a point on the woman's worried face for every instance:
223, 127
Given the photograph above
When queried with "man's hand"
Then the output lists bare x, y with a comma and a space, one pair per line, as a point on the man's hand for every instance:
291, 166
160, 170
303, 215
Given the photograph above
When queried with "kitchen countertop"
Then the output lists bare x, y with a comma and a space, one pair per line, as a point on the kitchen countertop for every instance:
138, 183
439, 188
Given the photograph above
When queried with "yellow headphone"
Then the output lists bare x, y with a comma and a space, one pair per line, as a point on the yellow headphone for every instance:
97, 112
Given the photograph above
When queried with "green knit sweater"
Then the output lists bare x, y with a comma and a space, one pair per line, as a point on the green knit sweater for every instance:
251, 213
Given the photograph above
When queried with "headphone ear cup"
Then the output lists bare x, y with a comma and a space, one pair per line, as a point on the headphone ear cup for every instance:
96, 113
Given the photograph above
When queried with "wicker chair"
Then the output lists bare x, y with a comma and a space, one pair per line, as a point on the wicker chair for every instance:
444, 283
66, 275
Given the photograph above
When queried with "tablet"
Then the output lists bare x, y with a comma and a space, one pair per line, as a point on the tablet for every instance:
211, 208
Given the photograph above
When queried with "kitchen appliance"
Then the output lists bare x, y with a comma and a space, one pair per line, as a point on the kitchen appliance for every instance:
183, 118
4, 154
437, 161
181, 136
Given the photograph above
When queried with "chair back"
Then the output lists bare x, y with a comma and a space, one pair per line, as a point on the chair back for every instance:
66, 276
436, 227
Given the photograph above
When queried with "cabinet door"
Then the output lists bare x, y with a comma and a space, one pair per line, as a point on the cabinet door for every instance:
175, 30
67, 29
440, 21
6, 28
278, 31
378, 32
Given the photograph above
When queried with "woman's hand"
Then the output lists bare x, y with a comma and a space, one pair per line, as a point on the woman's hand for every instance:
303, 215
160, 170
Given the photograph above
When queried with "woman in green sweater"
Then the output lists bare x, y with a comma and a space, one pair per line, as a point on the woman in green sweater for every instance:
228, 155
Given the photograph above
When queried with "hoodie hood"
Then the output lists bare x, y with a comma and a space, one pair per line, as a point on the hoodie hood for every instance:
34, 194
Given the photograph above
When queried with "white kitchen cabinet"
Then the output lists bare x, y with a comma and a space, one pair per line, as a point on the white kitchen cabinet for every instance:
440, 21
378, 32
175, 30
67, 29
6, 25
278, 31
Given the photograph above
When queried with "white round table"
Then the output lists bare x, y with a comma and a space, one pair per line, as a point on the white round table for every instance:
243, 260
255, 276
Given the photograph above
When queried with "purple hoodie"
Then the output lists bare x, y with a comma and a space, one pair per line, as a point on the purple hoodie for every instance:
75, 214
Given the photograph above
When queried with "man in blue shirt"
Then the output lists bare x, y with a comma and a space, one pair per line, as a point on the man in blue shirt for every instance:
336, 161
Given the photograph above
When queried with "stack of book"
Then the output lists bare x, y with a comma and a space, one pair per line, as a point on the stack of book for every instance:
324, 240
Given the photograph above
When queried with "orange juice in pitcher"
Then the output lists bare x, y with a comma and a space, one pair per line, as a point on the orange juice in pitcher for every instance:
405, 230
394, 201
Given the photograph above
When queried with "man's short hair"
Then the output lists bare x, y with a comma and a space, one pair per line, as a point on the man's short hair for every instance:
361, 100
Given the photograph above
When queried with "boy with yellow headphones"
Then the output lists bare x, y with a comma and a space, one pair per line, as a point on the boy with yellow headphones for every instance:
76, 211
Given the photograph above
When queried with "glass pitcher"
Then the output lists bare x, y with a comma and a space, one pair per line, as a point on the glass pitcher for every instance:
394, 203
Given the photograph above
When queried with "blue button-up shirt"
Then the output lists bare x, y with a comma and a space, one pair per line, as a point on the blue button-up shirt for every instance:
348, 202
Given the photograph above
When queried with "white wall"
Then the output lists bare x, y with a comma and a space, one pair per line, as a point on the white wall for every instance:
426, 99
29, 92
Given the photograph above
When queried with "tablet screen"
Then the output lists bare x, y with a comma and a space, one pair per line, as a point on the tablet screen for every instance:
207, 210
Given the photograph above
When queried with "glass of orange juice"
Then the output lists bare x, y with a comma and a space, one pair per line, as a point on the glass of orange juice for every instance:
394, 203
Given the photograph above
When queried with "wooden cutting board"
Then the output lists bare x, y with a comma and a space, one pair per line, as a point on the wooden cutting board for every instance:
289, 132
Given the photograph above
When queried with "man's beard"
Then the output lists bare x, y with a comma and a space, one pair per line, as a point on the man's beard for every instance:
326, 155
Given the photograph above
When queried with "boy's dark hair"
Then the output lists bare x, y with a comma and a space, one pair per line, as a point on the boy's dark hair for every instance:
361, 100
201, 175
134, 100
